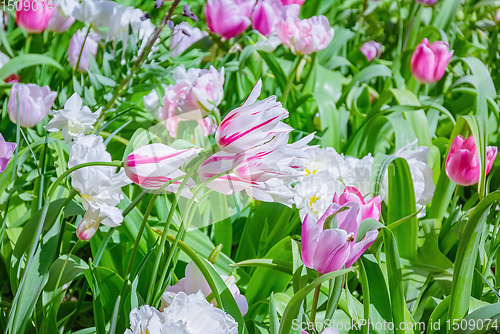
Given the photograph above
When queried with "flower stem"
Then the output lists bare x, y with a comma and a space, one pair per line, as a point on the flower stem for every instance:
315, 302
289, 83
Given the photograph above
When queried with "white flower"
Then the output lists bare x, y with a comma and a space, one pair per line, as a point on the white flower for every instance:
99, 186
3, 59
74, 119
193, 314
145, 320
356, 173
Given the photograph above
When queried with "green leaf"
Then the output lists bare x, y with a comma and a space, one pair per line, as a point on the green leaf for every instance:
447, 11
18, 63
274, 322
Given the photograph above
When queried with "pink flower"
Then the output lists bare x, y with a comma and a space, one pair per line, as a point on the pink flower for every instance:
292, 2
266, 16
60, 21
305, 36
334, 247
429, 61
252, 124
34, 15
427, 2
35, 103
6, 150
75, 48
151, 166
194, 281
371, 50
184, 36
462, 162
207, 126
228, 18
368, 210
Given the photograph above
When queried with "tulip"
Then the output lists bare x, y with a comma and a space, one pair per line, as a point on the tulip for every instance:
253, 124
62, 19
151, 166
34, 15
331, 248
429, 61
371, 209
266, 16
496, 16
75, 49
371, 50
305, 36
462, 162
183, 37
203, 95
6, 150
35, 103
194, 281
292, 2
207, 126
427, 2
228, 18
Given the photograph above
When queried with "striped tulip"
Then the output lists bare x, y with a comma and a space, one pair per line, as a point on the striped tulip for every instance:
151, 166
252, 124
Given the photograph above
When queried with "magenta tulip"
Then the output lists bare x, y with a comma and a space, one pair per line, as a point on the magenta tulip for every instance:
429, 61
6, 150
293, 2
371, 209
462, 162
371, 50
330, 249
266, 16
228, 18
34, 15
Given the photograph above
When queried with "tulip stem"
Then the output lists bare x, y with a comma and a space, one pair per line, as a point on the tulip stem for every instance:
289, 83
315, 302
27, 45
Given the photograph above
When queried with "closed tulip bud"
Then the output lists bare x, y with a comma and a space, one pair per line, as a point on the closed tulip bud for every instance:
228, 18
266, 16
305, 36
35, 103
151, 166
371, 50
34, 15
370, 209
331, 248
462, 162
6, 150
75, 48
429, 61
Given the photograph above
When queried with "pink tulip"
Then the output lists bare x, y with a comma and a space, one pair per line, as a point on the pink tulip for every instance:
429, 61
60, 22
228, 18
6, 150
371, 50
207, 126
427, 2
462, 162
183, 36
253, 124
266, 16
368, 210
305, 36
75, 48
34, 15
151, 166
331, 249
35, 103
292, 2
194, 281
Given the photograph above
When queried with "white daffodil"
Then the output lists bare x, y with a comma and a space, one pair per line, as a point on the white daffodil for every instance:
99, 186
74, 119
146, 320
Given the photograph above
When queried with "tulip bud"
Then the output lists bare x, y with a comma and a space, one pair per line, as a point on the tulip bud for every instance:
151, 166
34, 15
228, 18
35, 103
6, 150
462, 162
266, 16
371, 209
429, 61
75, 48
371, 50
88, 226
62, 19
305, 36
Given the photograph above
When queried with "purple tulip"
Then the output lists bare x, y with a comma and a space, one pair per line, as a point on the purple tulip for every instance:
6, 150
75, 48
462, 162
330, 249
429, 61
371, 50
35, 103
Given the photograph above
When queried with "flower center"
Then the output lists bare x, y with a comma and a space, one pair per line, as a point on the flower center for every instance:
313, 200
75, 127
350, 237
